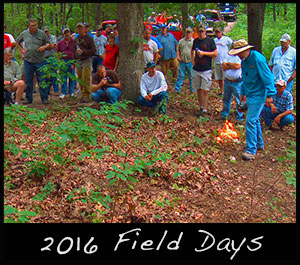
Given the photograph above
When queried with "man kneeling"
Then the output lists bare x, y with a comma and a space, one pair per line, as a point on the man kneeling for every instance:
153, 89
106, 85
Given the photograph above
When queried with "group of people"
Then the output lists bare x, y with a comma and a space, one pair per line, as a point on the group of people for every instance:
38, 45
240, 72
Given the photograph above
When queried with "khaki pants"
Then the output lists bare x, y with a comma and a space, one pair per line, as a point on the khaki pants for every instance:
171, 64
83, 71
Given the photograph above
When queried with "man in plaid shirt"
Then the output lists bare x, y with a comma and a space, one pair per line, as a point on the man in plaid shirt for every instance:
280, 111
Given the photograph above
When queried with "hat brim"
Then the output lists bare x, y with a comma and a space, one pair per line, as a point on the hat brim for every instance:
239, 50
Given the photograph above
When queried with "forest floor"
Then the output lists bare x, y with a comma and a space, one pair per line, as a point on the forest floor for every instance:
196, 179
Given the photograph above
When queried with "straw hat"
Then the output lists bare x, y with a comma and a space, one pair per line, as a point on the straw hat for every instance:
239, 46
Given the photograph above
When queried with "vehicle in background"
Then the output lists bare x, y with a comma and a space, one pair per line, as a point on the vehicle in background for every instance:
212, 17
228, 10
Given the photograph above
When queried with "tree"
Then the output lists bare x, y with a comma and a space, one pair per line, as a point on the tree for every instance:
256, 14
184, 13
130, 25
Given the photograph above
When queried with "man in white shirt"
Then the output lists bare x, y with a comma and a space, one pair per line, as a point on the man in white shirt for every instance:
150, 48
232, 87
223, 44
154, 89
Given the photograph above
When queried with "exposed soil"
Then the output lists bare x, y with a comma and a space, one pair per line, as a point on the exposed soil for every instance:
201, 182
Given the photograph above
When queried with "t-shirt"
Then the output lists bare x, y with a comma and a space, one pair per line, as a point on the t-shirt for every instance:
111, 54
233, 74
100, 42
96, 79
32, 42
223, 44
204, 63
153, 84
7, 42
149, 49
184, 47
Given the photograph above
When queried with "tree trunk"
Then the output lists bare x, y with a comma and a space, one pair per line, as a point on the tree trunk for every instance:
274, 12
131, 67
256, 14
69, 14
97, 16
87, 13
184, 13
29, 10
82, 10
41, 16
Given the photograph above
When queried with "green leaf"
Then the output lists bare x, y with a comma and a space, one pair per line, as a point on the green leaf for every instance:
58, 159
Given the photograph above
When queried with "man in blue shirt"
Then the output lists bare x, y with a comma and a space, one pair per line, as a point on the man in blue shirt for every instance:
258, 87
283, 62
281, 109
168, 53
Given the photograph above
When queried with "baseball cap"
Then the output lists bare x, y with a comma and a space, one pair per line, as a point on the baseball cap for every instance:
46, 28
86, 24
202, 27
188, 29
150, 64
281, 82
79, 24
99, 27
285, 37
108, 26
65, 29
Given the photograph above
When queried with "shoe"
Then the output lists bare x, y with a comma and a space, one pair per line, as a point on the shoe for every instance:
46, 101
248, 156
62, 96
27, 102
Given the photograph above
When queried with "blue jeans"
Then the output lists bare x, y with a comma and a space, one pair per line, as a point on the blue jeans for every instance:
96, 61
156, 99
29, 70
111, 95
184, 67
64, 86
289, 86
253, 128
269, 117
231, 89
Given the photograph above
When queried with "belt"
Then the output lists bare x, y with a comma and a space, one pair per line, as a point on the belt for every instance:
235, 80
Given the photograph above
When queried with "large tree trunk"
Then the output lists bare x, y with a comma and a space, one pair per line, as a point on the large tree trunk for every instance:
97, 17
184, 13
131, 67
256, 14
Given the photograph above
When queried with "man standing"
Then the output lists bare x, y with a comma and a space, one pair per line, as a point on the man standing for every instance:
67, 47
281, 109
84, 50
152, 18
184, 48
100, 43
258, 87
106, 86
168, 53
12, 76
283, 62
203, 50
49, 53
36, 42
150, 48
153, 89
223, 44
233, 83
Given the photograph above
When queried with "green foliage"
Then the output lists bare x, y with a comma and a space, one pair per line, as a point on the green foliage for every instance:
45, 191
13, 215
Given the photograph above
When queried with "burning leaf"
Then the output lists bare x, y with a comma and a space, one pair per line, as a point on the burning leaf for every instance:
227, 131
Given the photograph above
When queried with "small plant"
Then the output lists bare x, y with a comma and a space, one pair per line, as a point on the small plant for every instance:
45, 191
13, 215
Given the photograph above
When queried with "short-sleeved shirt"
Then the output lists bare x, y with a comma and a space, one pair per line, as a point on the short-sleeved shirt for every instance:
223, 45
96, 79
32, 42
233, 74
150, 48
169, 46
12, 72
283, 64
204, 63
111, 54
184, 47
7, 42
283, 102
100, 43
48, 53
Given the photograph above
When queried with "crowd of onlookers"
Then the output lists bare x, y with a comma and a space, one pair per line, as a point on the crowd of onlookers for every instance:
240, 72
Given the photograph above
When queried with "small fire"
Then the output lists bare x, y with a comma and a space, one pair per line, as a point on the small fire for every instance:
227, 131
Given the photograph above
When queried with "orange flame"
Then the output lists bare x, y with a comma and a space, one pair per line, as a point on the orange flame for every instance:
227, 131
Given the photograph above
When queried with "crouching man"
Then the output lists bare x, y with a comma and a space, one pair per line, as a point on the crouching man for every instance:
154, 89
281, 109
106, 86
